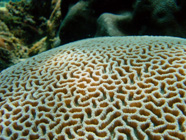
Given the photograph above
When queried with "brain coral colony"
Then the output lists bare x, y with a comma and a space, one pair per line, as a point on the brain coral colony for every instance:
122, 88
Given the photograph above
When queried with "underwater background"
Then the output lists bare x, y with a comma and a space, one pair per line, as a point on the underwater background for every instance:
29, 27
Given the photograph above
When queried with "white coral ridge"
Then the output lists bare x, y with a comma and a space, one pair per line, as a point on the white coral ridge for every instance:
122, 88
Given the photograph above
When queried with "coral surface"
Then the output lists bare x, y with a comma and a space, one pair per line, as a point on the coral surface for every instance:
102, 88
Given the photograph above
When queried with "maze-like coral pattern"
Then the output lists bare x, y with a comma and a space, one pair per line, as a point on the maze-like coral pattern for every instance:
124, 88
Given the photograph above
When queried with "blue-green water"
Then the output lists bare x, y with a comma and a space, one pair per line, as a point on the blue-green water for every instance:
4, 2
9, 0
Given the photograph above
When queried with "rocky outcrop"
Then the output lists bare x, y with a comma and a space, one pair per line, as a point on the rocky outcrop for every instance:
81, 17
90, 18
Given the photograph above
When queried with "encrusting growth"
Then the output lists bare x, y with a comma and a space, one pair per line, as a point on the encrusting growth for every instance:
102, 88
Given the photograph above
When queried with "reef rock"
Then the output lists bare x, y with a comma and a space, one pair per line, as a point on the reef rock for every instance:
90, 18
11, 49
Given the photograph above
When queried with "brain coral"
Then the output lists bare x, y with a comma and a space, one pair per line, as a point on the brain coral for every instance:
102, 88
